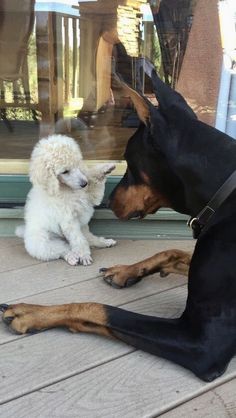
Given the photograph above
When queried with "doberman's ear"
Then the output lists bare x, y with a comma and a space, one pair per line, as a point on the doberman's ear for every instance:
139, 103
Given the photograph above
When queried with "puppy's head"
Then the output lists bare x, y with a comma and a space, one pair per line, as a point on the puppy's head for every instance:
56, 163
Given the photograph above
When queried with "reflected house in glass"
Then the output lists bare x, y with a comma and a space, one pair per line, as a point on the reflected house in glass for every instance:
199, 78
76, 45
110, 36
190, 43
16, 26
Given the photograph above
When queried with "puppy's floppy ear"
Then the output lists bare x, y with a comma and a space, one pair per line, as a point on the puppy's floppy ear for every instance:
42, 171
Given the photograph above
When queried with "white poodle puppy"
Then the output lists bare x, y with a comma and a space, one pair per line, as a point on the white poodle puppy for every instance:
61, 202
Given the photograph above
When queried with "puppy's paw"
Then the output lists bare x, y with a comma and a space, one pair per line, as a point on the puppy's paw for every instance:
103, 170
101, 242
108, 168
74, 257
85, 260
109, 242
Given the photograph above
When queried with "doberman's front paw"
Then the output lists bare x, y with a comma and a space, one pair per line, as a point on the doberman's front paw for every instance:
23, 318
120, 276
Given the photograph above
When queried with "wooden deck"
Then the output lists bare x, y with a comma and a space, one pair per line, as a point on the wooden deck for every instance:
60, 374
107, 141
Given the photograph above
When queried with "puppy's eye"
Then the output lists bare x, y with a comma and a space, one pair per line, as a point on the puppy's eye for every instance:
65, 172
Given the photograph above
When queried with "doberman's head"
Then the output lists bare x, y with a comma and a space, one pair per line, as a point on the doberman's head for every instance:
148, 183
173, 159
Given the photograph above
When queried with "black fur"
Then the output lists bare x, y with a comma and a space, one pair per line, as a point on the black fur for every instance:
188, 161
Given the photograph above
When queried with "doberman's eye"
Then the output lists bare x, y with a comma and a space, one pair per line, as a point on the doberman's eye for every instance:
65, 172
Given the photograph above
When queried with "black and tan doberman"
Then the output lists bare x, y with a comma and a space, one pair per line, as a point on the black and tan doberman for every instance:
173, 160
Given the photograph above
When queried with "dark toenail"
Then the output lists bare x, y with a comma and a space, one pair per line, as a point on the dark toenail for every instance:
3, 307
116, 286
163, 274
102, 270
33, 331
8, 320
132, 280
108, 279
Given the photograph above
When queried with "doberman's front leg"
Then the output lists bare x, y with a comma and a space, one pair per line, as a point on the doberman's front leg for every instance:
165, 262
85, 317
172, 339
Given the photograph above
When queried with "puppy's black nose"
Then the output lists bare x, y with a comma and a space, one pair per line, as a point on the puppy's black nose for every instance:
83, 183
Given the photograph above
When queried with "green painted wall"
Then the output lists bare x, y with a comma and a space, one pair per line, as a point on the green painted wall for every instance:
165, 224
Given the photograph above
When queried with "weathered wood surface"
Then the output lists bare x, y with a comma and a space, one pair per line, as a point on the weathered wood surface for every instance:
59, 374
218, 403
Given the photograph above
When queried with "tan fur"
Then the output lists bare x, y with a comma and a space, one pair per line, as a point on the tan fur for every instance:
138, 102
137, 198
84, 317
165, 262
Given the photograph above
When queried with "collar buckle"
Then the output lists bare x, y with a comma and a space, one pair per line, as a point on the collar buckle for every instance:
198, 223
196, 227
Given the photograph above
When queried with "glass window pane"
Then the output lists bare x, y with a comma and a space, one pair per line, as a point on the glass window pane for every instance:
61, 62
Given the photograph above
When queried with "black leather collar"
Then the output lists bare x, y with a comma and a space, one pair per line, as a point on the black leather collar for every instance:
198, 223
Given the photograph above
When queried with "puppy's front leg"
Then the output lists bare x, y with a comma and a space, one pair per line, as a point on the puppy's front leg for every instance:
80, 251
100, 172
98, 242
96, 184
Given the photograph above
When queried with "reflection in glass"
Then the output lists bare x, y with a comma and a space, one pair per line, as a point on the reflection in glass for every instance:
58, 60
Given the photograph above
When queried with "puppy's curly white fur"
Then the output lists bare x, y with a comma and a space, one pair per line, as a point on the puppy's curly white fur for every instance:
61, 202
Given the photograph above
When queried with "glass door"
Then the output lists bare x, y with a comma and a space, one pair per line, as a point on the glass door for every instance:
58, 60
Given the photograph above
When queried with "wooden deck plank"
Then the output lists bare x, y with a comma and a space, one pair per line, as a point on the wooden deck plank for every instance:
137, 385
96, 290
9, 242
168, 304
49, 357
59, 374
56, 282
126, 251
40, 360
29, 277
27, 354
15, 257
218, 403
